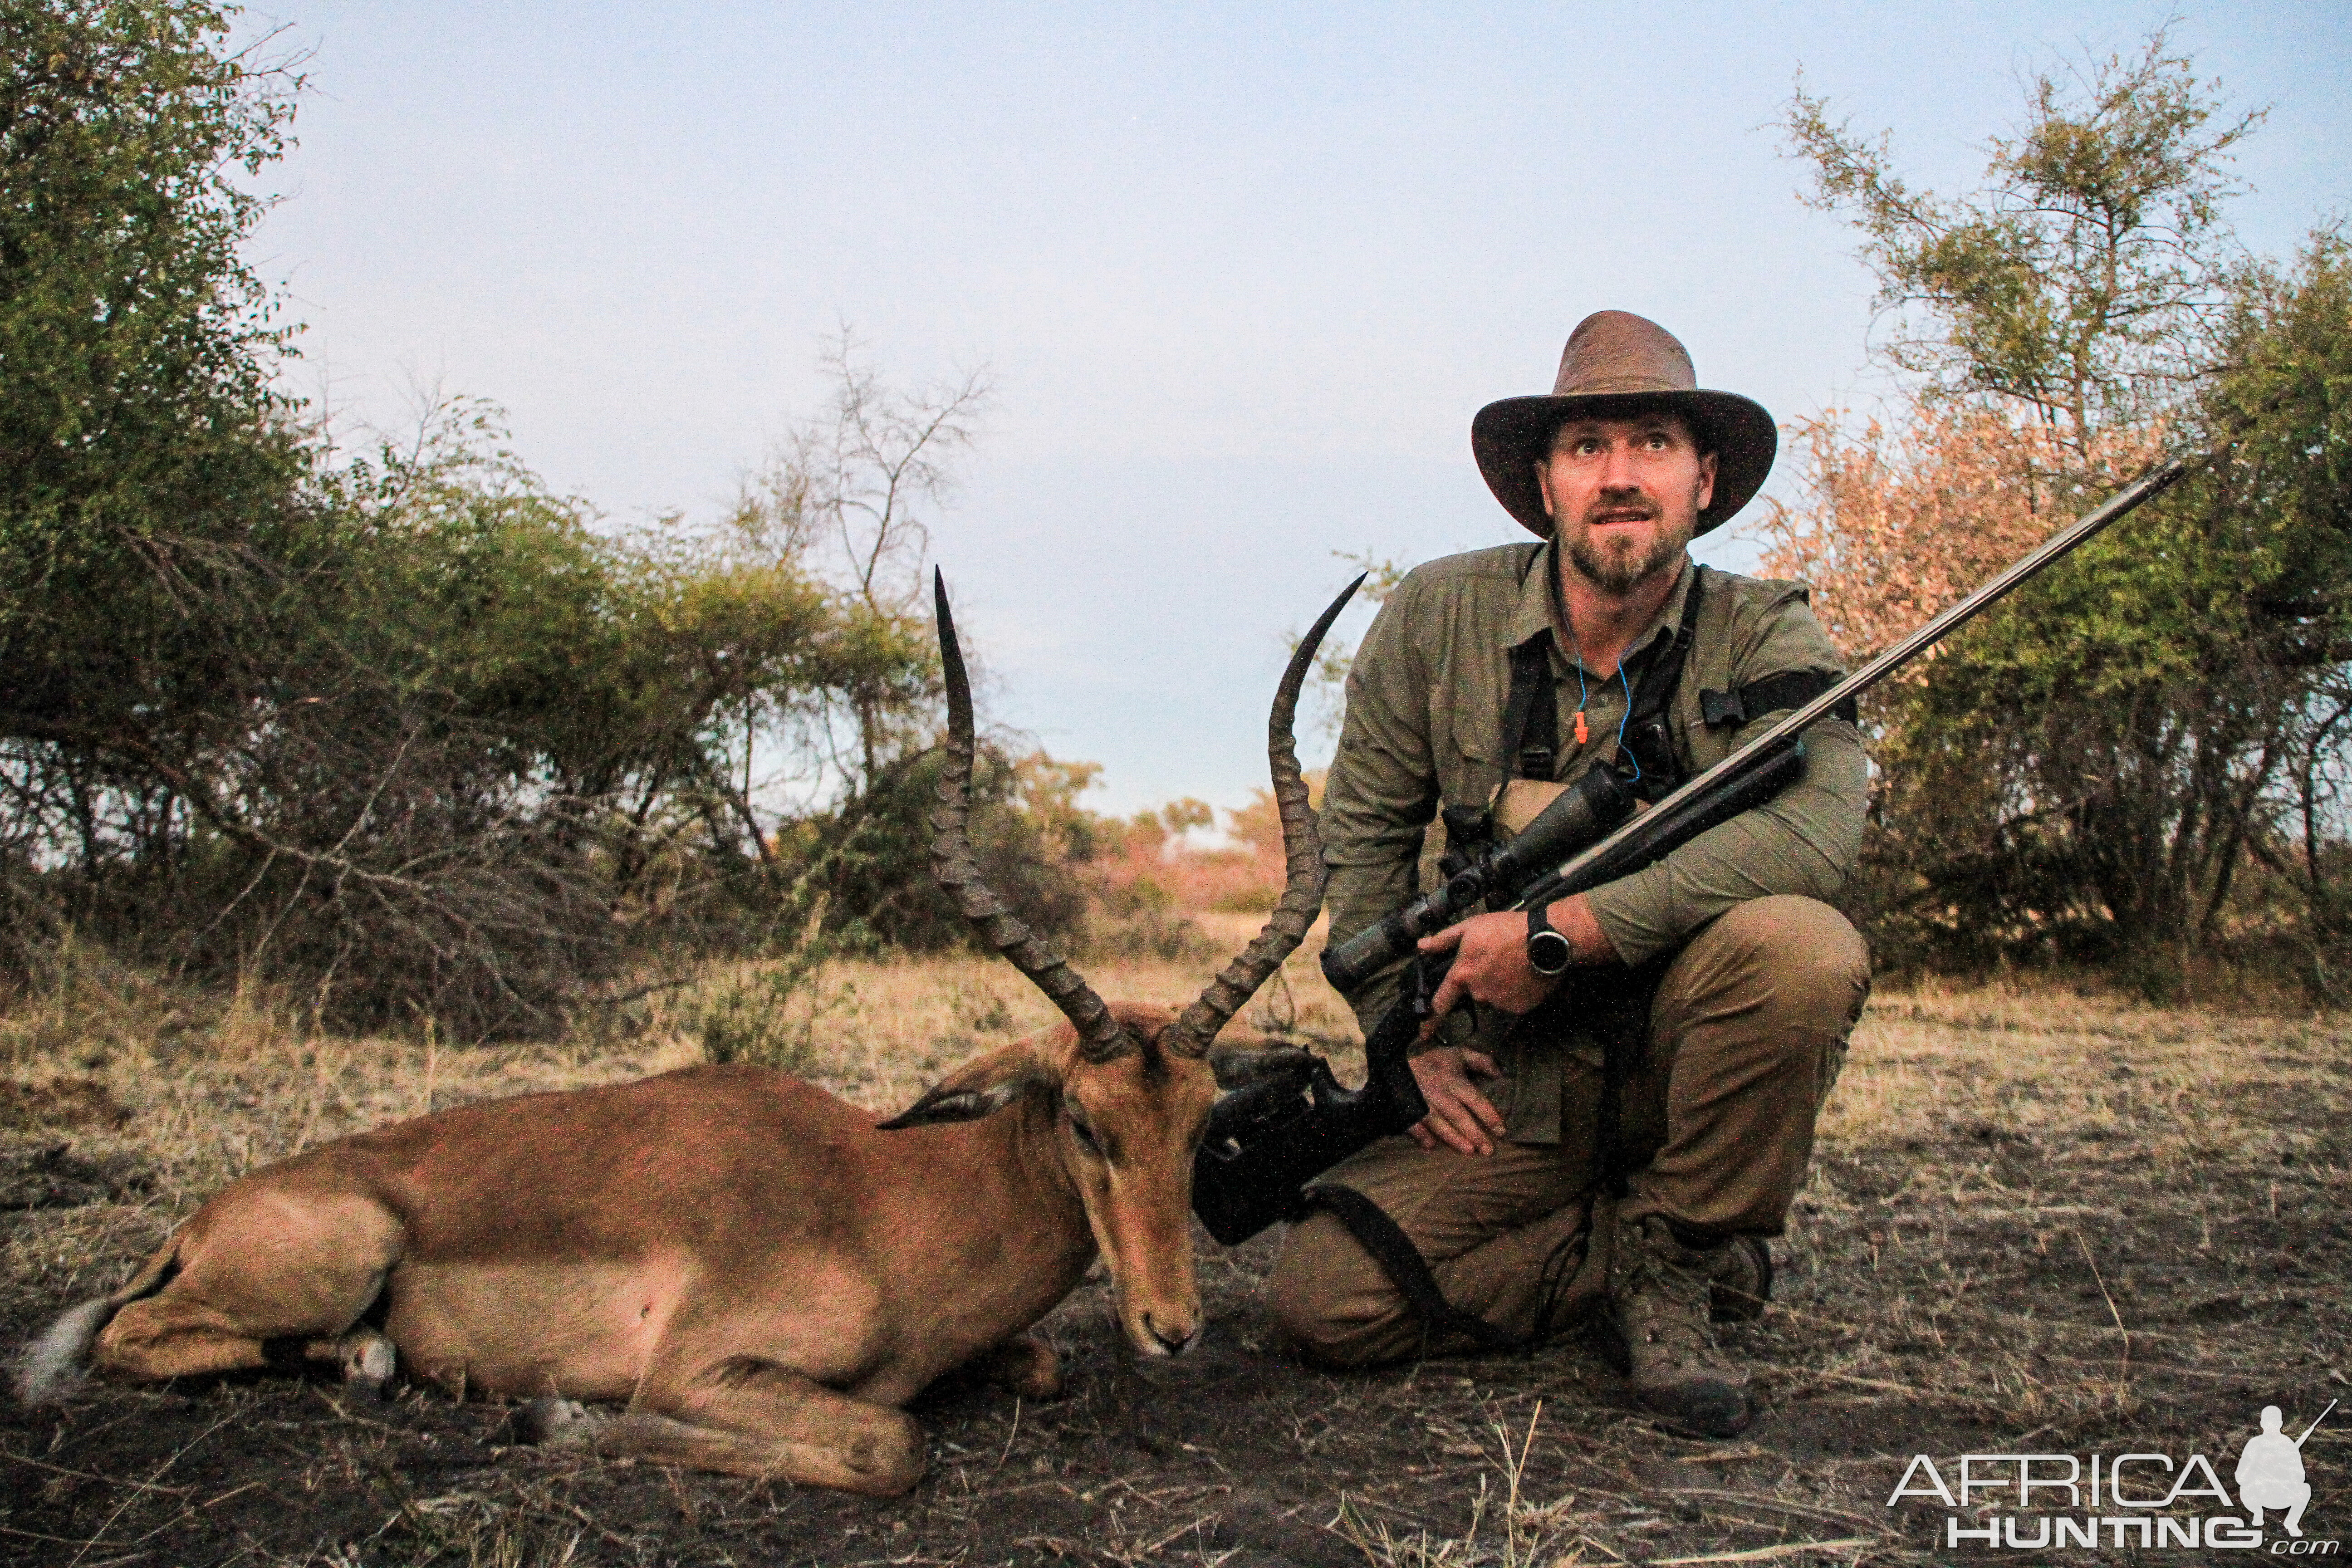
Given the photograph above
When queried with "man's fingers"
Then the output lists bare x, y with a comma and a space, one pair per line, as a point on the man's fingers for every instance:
1454, 1137
1480, 1064
1445, 941
1459, 1116
1449, 992
1477, 1109
1458, 1123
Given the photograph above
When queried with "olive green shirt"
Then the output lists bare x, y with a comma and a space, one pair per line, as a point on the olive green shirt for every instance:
1424, 726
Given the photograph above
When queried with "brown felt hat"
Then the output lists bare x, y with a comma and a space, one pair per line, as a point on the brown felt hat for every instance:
1617, 365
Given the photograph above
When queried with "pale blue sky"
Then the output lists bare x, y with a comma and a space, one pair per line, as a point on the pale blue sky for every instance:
1242, 273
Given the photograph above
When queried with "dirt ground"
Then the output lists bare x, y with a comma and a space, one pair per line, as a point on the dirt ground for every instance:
2037, 1222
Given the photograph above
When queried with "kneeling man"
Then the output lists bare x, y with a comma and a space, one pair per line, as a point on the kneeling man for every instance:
1629, 1110
2269, 1474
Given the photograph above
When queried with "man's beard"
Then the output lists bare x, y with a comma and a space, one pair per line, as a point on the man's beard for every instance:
1618, 572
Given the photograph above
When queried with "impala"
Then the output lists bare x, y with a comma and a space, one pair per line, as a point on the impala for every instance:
760, 1272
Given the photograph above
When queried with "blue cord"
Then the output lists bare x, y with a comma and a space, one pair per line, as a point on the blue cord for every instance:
1621, 722
1582, 696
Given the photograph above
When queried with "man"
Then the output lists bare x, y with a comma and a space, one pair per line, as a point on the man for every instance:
1632, 1110
2270, 1473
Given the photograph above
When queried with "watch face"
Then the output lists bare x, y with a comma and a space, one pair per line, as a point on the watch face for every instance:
1548, 952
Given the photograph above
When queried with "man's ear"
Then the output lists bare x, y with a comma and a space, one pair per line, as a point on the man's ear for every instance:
1706, 467
1240, 1063
981, 1087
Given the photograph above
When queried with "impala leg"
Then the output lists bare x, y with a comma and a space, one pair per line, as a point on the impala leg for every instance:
772, 1422
365, 1356
1023, 1365
259, 1264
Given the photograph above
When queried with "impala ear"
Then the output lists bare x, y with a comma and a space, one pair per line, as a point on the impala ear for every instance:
981, 1087
1240, 1063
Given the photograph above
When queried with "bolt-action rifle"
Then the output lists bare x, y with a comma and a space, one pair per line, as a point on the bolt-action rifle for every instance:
1266, 1142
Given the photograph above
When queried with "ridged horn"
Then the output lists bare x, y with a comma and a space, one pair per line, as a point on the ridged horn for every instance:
1302, 852
1101, 1037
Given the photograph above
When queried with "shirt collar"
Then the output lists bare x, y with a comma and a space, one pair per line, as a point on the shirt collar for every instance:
1539, 609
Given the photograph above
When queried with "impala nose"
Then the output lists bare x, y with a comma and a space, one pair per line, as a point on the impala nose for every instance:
1170, 1340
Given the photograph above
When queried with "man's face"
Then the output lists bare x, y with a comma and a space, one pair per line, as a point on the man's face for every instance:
1624, 496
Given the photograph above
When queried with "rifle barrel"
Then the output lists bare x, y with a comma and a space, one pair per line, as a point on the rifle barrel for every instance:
1757, 749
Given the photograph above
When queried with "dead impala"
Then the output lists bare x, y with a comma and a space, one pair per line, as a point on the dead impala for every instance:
762, 1271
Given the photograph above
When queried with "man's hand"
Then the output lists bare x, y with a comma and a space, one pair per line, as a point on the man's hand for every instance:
1490, 959
1490, 965
1459, 1116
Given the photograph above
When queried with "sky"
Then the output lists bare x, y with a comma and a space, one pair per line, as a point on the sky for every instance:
1238, 275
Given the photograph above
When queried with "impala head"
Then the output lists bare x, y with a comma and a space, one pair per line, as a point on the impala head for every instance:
1128, 1088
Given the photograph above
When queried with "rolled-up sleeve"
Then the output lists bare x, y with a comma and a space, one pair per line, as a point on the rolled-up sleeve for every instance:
1803, 841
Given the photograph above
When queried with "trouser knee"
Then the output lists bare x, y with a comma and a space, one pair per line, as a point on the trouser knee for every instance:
1797, 962
1330, 1300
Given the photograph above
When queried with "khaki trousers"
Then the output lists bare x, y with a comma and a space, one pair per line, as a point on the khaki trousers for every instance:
1746, 1034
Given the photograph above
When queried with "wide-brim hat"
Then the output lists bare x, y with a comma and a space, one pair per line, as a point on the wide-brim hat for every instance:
1616, 365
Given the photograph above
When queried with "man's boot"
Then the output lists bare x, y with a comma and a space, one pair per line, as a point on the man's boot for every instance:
1739, 1279
1660, 1294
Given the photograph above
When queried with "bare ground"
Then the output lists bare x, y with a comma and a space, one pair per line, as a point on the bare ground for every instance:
2036, 1221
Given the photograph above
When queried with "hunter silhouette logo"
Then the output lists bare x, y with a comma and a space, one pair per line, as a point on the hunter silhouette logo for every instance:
2269, 1471
2151, 1500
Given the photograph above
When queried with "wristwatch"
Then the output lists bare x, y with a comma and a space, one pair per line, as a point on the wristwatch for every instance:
1547, 951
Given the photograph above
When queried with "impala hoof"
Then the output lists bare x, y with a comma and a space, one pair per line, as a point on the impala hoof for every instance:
368, 1366
551, 1421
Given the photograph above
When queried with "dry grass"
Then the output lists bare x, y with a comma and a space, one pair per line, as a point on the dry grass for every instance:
2035, 1217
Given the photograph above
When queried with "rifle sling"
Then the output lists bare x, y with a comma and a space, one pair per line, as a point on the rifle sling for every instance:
1618, 1010
1407, 1270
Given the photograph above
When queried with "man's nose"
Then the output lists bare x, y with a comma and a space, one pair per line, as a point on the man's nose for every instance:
1617, 469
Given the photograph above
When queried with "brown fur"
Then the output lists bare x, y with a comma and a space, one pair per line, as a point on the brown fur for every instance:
759, 1269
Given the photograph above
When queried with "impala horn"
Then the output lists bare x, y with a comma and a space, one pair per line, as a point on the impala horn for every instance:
1101, 1036
1302, 851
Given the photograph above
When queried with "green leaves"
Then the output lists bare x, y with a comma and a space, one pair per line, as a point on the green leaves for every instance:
2083, 773
411, 730
2084, 279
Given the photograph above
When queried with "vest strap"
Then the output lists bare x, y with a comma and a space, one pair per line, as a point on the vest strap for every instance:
1531, 713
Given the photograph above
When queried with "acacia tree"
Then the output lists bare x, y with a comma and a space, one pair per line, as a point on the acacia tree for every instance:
2081, 774
2086, 280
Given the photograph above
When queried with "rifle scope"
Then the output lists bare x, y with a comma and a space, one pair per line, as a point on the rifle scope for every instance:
1580, 815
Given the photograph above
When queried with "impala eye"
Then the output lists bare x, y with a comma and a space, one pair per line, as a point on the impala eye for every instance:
1087, 1139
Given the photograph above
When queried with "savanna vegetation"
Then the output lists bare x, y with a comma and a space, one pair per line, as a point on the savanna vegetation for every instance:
2137, 764
344, 779
390, 728
397, 731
